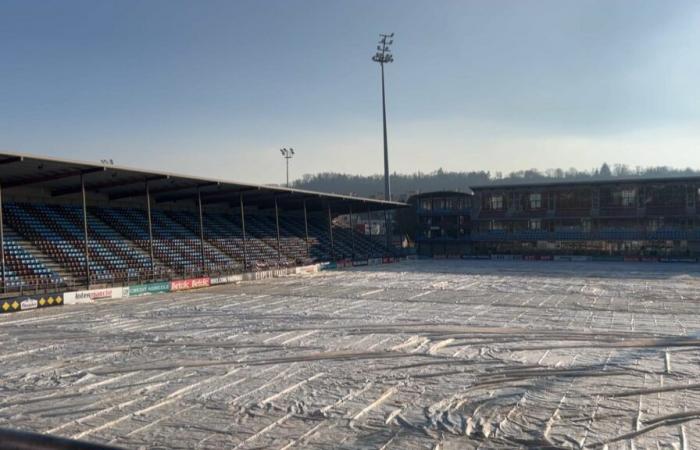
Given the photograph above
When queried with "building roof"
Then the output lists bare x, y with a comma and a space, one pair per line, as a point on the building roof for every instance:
466, 191
611, 181
61, 177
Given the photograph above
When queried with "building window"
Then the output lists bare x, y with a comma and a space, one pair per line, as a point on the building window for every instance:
496, 202
535, 201
586, 225
655, 224
629, 197
535, 224
495, 225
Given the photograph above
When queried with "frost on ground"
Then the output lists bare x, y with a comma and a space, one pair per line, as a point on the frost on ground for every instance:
425, 354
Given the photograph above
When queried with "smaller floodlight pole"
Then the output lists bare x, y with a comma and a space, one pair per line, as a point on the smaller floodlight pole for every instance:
287, 154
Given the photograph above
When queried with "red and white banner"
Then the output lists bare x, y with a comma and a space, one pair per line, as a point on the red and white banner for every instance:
190, 283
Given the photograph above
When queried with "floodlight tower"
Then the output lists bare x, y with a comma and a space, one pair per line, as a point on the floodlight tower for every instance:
287, 154
384, 56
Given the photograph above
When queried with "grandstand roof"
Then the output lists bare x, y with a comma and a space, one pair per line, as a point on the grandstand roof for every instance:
62, 177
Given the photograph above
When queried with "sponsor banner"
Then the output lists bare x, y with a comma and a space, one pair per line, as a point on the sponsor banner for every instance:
29, 303
26, 302
307, 269
360, 262
649, 259
631, 259
388, 260
226, 279
562, 258
149, 288
607, 258
73, 298
530, 258
545, 258
190, 283
683, 260
580, 258
503, 257
328, 265
261, 275
218, 280
476, 256
411, 257
374, 261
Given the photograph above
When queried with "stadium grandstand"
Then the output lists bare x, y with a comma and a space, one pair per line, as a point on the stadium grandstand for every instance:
613, 219
66, 224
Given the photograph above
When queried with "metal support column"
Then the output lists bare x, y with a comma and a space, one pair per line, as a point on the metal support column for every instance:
245, 242
201, 230
352, 234
330, 230
387, 231
277, 222
2, 244
306, 231
150, 231
369, 228
85, 229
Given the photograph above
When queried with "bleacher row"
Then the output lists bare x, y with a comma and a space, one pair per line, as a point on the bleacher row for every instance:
45, 246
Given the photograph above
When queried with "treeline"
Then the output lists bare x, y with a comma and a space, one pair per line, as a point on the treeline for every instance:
403, 185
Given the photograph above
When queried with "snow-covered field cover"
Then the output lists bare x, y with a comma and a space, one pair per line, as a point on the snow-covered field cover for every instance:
416, 355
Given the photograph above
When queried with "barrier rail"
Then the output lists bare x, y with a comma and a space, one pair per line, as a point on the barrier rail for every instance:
575, 258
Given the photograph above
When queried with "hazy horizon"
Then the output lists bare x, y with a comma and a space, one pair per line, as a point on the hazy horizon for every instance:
216, 88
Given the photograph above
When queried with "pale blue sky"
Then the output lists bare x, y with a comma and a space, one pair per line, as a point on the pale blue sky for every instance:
217, 87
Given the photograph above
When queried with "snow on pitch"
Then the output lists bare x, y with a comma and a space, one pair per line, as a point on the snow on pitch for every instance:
426, 354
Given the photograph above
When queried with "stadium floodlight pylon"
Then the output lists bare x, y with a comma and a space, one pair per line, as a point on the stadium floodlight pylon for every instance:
384, 56
287, 154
